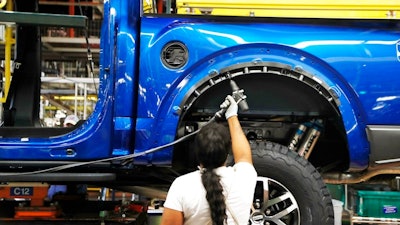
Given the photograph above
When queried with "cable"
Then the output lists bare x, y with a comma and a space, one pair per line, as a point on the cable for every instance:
90, 63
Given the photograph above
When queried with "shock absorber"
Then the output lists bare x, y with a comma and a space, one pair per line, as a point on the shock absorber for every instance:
298, 135
310, 139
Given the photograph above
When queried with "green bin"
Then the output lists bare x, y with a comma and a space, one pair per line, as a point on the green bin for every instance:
378, 204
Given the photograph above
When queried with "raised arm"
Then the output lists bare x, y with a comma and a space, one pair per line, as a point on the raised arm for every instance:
240, 145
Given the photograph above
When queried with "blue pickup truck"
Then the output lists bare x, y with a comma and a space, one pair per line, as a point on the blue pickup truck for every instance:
323, 97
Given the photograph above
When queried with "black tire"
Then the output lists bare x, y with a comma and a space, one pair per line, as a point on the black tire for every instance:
304, 197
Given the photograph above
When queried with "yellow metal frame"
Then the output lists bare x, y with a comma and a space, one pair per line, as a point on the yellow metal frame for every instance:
8, 42
365, 9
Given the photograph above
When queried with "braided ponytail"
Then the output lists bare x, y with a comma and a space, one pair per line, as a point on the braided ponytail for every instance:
212, 147
214, 196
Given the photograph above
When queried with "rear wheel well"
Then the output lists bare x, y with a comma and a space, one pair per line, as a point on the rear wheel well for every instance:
280, 99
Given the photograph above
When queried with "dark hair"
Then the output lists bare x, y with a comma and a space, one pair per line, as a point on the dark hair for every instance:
212, 145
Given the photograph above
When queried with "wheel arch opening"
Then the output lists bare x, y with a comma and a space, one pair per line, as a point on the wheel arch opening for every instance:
280, 98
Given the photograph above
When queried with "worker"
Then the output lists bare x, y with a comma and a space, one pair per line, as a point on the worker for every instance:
70, 121
215, 194
56, 189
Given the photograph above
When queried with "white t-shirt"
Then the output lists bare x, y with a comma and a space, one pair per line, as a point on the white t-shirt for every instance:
188, 195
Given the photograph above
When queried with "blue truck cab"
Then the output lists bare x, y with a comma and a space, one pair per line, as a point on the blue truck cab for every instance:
323, 98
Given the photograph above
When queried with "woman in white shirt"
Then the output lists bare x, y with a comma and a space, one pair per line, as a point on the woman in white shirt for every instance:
215, 194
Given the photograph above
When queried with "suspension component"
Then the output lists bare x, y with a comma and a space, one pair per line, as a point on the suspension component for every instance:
295, 140
310, 139
305, 138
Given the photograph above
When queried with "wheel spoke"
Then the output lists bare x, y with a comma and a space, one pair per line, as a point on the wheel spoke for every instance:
281, 214
278, 199
277, 221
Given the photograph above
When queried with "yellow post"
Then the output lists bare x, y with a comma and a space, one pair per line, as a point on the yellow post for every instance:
9, 41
